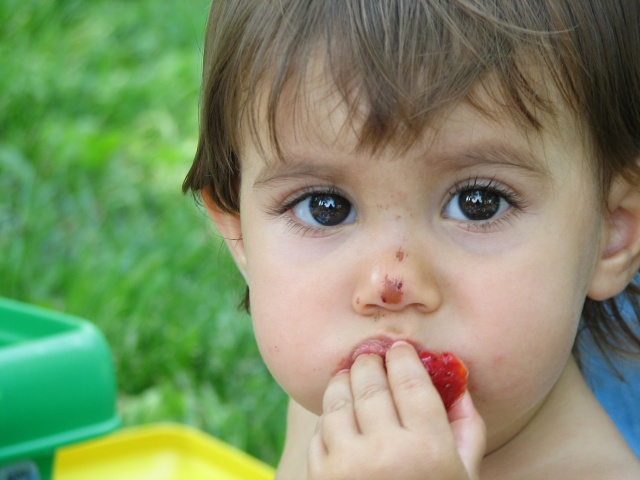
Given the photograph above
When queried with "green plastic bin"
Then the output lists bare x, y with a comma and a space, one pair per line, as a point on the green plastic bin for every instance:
57, 387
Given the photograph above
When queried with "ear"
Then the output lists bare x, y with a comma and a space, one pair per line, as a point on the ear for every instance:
619, 259
230, 228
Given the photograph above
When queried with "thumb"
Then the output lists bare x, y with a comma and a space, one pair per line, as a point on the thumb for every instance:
470, 434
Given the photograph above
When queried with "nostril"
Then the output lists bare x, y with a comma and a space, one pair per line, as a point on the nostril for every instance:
391, 291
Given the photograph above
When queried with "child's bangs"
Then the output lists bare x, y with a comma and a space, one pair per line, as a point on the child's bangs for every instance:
400, 65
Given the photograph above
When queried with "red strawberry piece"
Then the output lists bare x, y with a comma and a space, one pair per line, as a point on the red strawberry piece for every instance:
448, 374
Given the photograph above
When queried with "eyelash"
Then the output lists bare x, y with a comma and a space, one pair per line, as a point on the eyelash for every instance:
298, 227
515, 201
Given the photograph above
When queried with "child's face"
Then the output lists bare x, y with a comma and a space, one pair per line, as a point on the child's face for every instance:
482, 241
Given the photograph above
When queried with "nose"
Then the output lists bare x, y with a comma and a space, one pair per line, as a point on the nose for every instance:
395, 280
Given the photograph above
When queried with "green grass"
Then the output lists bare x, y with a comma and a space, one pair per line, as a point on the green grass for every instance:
98, 126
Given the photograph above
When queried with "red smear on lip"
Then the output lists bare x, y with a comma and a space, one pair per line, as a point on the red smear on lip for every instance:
392, 291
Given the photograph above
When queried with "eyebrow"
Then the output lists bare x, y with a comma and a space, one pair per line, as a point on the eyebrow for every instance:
284, 170
480, 154
494, 153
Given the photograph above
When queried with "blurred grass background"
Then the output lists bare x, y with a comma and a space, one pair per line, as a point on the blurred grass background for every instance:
98, 126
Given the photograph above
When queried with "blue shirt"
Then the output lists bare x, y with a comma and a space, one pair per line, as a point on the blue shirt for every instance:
620, 398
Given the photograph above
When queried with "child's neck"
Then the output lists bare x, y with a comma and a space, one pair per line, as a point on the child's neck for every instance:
301, 425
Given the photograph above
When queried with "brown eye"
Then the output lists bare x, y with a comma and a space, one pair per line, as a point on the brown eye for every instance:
324, 209
479, 204
476, 204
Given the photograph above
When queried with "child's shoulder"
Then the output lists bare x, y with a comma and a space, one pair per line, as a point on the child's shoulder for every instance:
609, 463
592, 454
571, 437
594, 448
621, 467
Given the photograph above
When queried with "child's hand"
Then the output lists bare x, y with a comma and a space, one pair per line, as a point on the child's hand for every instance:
379, 424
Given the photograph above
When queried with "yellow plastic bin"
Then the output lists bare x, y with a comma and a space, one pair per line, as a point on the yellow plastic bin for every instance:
157, 452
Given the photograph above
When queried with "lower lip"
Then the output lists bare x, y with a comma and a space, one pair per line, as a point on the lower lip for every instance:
374, 346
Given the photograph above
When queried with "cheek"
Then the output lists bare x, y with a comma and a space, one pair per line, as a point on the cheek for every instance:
295, 319
298, 355
529, 318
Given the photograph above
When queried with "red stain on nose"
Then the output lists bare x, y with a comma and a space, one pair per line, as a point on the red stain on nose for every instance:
400, 255
391, 291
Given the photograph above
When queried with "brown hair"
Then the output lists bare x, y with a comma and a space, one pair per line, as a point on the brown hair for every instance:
408, 60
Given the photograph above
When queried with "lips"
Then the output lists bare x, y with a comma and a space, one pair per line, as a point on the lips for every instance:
447, 372
373, 346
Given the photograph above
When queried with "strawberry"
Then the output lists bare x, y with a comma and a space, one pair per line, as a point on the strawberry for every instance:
448, 374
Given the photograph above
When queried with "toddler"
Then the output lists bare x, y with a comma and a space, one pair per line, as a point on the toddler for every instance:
454, 176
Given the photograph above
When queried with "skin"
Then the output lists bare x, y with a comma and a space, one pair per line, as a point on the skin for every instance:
505, 295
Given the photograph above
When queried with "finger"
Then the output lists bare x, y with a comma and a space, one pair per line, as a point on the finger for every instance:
373, 403
338, 421
416, 399
469, 432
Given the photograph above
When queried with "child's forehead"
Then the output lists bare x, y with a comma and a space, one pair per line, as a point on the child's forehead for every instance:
395, 77
315, 114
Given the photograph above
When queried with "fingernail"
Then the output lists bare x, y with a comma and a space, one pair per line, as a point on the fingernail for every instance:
340, 372
397, 343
